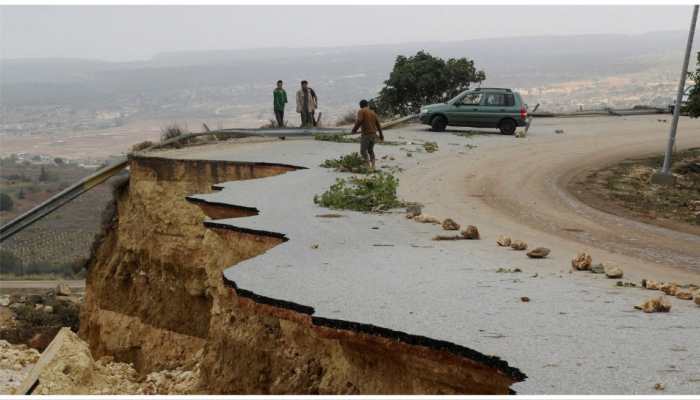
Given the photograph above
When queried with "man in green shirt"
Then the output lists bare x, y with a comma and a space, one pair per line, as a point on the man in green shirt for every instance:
279, 99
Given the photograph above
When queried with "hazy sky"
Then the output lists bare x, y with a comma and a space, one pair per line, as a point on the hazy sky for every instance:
136, 32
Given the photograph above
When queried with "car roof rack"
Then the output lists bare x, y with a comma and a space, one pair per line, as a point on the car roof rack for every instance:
492, 88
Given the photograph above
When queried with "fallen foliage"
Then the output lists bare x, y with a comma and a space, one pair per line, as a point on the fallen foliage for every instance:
352, 162
375, 192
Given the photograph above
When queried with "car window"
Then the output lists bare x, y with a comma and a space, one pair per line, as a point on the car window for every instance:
499, 99
472, 99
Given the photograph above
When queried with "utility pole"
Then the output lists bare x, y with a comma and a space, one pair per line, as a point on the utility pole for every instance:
665, 177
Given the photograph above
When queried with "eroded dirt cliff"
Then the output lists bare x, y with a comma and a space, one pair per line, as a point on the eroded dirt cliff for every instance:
156, 298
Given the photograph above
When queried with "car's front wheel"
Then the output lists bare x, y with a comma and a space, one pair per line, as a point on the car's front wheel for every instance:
507, 127
439, 123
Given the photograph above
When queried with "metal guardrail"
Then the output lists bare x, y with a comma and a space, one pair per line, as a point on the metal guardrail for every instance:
62, 198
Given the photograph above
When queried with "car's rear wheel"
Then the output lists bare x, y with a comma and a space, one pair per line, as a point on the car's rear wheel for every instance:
439, 123
507, 127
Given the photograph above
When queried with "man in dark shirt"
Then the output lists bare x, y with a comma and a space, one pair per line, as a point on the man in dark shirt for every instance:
369, 124
279, 99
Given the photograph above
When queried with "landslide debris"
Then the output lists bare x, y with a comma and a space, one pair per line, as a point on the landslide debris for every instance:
15, 361
72, 370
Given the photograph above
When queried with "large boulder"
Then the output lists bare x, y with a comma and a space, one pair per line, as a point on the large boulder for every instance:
472, 232
450, 225
503, 241
613, 271
582, 261
656, 304
538, 252
518, 245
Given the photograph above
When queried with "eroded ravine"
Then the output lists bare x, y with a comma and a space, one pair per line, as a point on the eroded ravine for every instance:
155, 297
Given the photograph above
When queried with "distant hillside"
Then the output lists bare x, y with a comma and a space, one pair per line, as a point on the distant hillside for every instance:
202, 82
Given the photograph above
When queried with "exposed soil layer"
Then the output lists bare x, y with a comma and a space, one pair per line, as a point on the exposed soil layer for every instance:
155, 297
625, 188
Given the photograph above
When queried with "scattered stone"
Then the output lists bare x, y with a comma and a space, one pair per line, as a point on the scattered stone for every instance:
581, 262
471, 233
448, 237
426, 219
659, 386
314, 246
5, 300
509, 270
669, 288
525, 299
684, 295
413, 210
520, 134
63, 290
655, 304
518, 245
559, 131
329, 216
651, 285
613, 272
503, 241
625, 284
598, 269
450, 225
697, 298
538, 252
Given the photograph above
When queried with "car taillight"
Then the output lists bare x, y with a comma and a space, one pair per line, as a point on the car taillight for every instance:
523, 113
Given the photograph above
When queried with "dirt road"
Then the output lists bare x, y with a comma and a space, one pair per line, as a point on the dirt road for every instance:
7, 287
519, 187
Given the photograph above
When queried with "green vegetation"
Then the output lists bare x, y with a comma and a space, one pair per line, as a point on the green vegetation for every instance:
430, 147
335, 137
34, 314
6, 203
694, 95
352, 162
423, 79
376, 192
12, 266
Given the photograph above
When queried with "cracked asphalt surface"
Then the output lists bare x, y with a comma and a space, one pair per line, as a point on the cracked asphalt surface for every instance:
578, 334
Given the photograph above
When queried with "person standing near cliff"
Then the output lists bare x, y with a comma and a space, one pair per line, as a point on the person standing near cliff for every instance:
307, 102
279, 99
368, 122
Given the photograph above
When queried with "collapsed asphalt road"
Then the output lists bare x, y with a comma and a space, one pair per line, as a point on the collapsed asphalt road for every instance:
577, 334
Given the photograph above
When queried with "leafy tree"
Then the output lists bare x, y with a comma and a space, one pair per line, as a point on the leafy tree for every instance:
43, 175
58, 161
10, 263
423, 79
6, 203
694, 95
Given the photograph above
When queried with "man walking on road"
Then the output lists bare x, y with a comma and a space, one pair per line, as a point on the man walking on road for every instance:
369, 122
279, 99
306, 105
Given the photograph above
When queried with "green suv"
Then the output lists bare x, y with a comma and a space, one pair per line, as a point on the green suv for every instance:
479, 108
